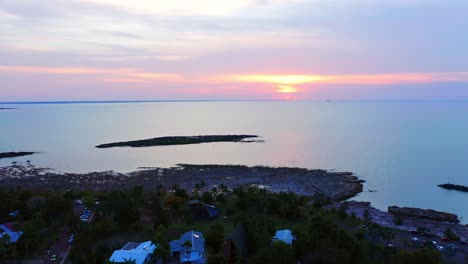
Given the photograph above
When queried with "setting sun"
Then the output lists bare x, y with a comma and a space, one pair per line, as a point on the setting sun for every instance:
286, 89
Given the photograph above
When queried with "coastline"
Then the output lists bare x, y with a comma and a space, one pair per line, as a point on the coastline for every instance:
338, 186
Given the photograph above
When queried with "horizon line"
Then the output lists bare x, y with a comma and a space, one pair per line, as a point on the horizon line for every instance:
224, 100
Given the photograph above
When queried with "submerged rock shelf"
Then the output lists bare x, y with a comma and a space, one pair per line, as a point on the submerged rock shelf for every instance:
180, 140
336, 185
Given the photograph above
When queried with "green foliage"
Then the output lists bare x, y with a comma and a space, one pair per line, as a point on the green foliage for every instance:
163, 249
451, 235
216, 259
419, 256
88, 201
215, 237
123, 206
321, 240
160, 214
397, 221
179, 192
207, 197
278, 253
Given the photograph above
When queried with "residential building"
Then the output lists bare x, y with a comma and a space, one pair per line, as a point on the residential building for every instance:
141, 253
9, 230
190, 248
284, 235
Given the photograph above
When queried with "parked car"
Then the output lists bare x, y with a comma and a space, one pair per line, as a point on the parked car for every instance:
413, 232
444, 238
415, 239
462, 242
440, 248
53, 258
452, 247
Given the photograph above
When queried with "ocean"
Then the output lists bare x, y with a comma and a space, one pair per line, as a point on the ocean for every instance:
401, 149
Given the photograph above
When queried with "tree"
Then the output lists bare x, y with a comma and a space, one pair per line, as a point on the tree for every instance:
397, 221
161, 215
216, 259
187, 244
278, 253
4, 240
419, 256
215, 237
88, 201
163, 249
451, 235
323, 241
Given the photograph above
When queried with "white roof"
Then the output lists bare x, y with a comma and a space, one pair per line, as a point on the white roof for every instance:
284, 235
133, 251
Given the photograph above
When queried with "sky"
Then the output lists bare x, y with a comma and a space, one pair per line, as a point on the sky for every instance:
233, 50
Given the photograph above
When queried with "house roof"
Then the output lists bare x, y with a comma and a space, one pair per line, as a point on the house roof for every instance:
7, 228
284, 235
239, 238
175, 245
210, 209
133, 251
196, 238
10, 226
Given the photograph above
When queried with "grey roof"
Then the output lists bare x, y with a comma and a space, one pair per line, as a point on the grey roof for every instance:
239, 238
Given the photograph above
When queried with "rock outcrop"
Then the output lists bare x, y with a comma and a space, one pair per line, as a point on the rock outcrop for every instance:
423, 214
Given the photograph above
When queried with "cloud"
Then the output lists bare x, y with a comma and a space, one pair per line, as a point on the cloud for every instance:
362, 79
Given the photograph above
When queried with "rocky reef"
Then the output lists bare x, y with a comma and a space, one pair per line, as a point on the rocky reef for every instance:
456, 187
423, 214
336, 185
4, 155
180, 140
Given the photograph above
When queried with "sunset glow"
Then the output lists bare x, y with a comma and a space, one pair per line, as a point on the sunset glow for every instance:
246, 49
286, 89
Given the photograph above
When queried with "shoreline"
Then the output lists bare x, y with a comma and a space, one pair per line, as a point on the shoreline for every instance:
339, 186
336, 185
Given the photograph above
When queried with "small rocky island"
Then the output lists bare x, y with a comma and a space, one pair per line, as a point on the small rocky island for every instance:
456, 187
6, 108
181, 140
5, 155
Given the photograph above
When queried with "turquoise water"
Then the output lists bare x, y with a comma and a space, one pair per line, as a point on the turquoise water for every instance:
402, 149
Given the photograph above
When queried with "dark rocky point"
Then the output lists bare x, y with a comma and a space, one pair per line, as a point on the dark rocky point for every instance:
5, 155
456, 187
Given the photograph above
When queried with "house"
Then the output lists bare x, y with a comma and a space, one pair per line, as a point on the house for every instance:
8, 229
284, 235
236, 244
190, 247
201, 210
141, 253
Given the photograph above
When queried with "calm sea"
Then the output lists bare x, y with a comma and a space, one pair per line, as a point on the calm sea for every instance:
402, 149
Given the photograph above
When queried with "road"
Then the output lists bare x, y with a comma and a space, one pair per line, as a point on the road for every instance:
59, 248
